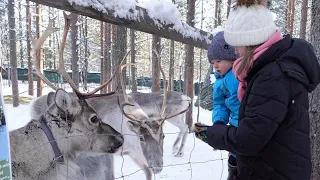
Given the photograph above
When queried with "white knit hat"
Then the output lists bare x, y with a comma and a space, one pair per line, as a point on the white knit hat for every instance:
248, 26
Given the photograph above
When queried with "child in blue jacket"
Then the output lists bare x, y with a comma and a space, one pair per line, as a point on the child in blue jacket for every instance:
225, 99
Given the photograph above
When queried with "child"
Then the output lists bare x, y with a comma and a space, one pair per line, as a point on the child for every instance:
225, 100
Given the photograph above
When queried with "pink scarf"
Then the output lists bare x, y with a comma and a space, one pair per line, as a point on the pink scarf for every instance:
261, 49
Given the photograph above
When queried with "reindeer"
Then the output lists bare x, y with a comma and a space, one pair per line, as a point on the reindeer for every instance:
46, 147
171, 102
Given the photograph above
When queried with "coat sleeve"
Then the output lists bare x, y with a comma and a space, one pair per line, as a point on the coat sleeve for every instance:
220, 111
266, 108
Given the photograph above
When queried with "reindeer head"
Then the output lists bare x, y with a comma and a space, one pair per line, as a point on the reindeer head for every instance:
151, 140
88, 131
149, 130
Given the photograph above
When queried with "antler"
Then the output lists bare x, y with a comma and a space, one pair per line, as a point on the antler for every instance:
61, 69
37, 43
165, 91
134, 118
122, 81
181, 112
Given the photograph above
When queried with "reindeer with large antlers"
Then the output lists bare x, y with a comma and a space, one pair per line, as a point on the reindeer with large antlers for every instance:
143, 135
46, 147
171, 102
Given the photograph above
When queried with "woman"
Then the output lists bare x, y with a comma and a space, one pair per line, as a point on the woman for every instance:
275, 73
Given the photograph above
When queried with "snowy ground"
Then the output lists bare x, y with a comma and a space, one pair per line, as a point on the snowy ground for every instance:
205, 163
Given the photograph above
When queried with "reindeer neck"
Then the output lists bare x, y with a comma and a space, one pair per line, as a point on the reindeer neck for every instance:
31, 150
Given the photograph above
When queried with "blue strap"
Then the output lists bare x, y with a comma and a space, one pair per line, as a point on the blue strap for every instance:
57, 154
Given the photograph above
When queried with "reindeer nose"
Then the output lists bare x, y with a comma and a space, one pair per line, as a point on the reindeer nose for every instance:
119, 141
156, 170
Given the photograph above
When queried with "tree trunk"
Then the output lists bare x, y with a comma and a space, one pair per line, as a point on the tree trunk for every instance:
133, 60
171, 64
228, 8
304, 18
287, 15
39, 57
189, 64
314, 110
120, 51
219, 12
107, 56
74, 47
49, 49
292, 17
114, 59
20, 37
28, 24
156, 44
171, 67
86, 54
215, 12
54, 44
13, 55
101, 52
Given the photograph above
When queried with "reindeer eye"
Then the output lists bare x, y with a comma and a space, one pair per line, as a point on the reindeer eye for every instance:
142, 138
94, 120
163, 136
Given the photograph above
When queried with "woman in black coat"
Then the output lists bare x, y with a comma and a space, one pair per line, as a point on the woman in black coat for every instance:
275, 73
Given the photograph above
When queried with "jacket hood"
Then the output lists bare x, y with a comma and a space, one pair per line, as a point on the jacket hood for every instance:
296, 58
300, 62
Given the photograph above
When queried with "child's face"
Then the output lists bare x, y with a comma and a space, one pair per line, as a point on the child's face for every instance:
240, 50
222, 66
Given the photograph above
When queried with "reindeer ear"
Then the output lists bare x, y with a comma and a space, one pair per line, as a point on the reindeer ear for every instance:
50, 98
66, 103
133, 126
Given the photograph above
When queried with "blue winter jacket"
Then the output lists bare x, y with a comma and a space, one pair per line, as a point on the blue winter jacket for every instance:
225, 99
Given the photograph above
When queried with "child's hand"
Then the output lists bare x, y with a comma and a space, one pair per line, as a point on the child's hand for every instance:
198, 127
200, 131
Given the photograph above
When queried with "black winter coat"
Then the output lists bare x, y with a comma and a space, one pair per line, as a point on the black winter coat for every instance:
272, 140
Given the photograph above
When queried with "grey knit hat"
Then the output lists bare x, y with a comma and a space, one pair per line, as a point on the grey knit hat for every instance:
219, 49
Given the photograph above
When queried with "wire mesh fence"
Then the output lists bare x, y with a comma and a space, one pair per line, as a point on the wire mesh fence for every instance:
189, 160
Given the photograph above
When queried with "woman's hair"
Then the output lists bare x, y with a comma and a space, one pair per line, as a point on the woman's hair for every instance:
245, 64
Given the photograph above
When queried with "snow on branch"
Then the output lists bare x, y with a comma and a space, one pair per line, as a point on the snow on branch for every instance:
158, 17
